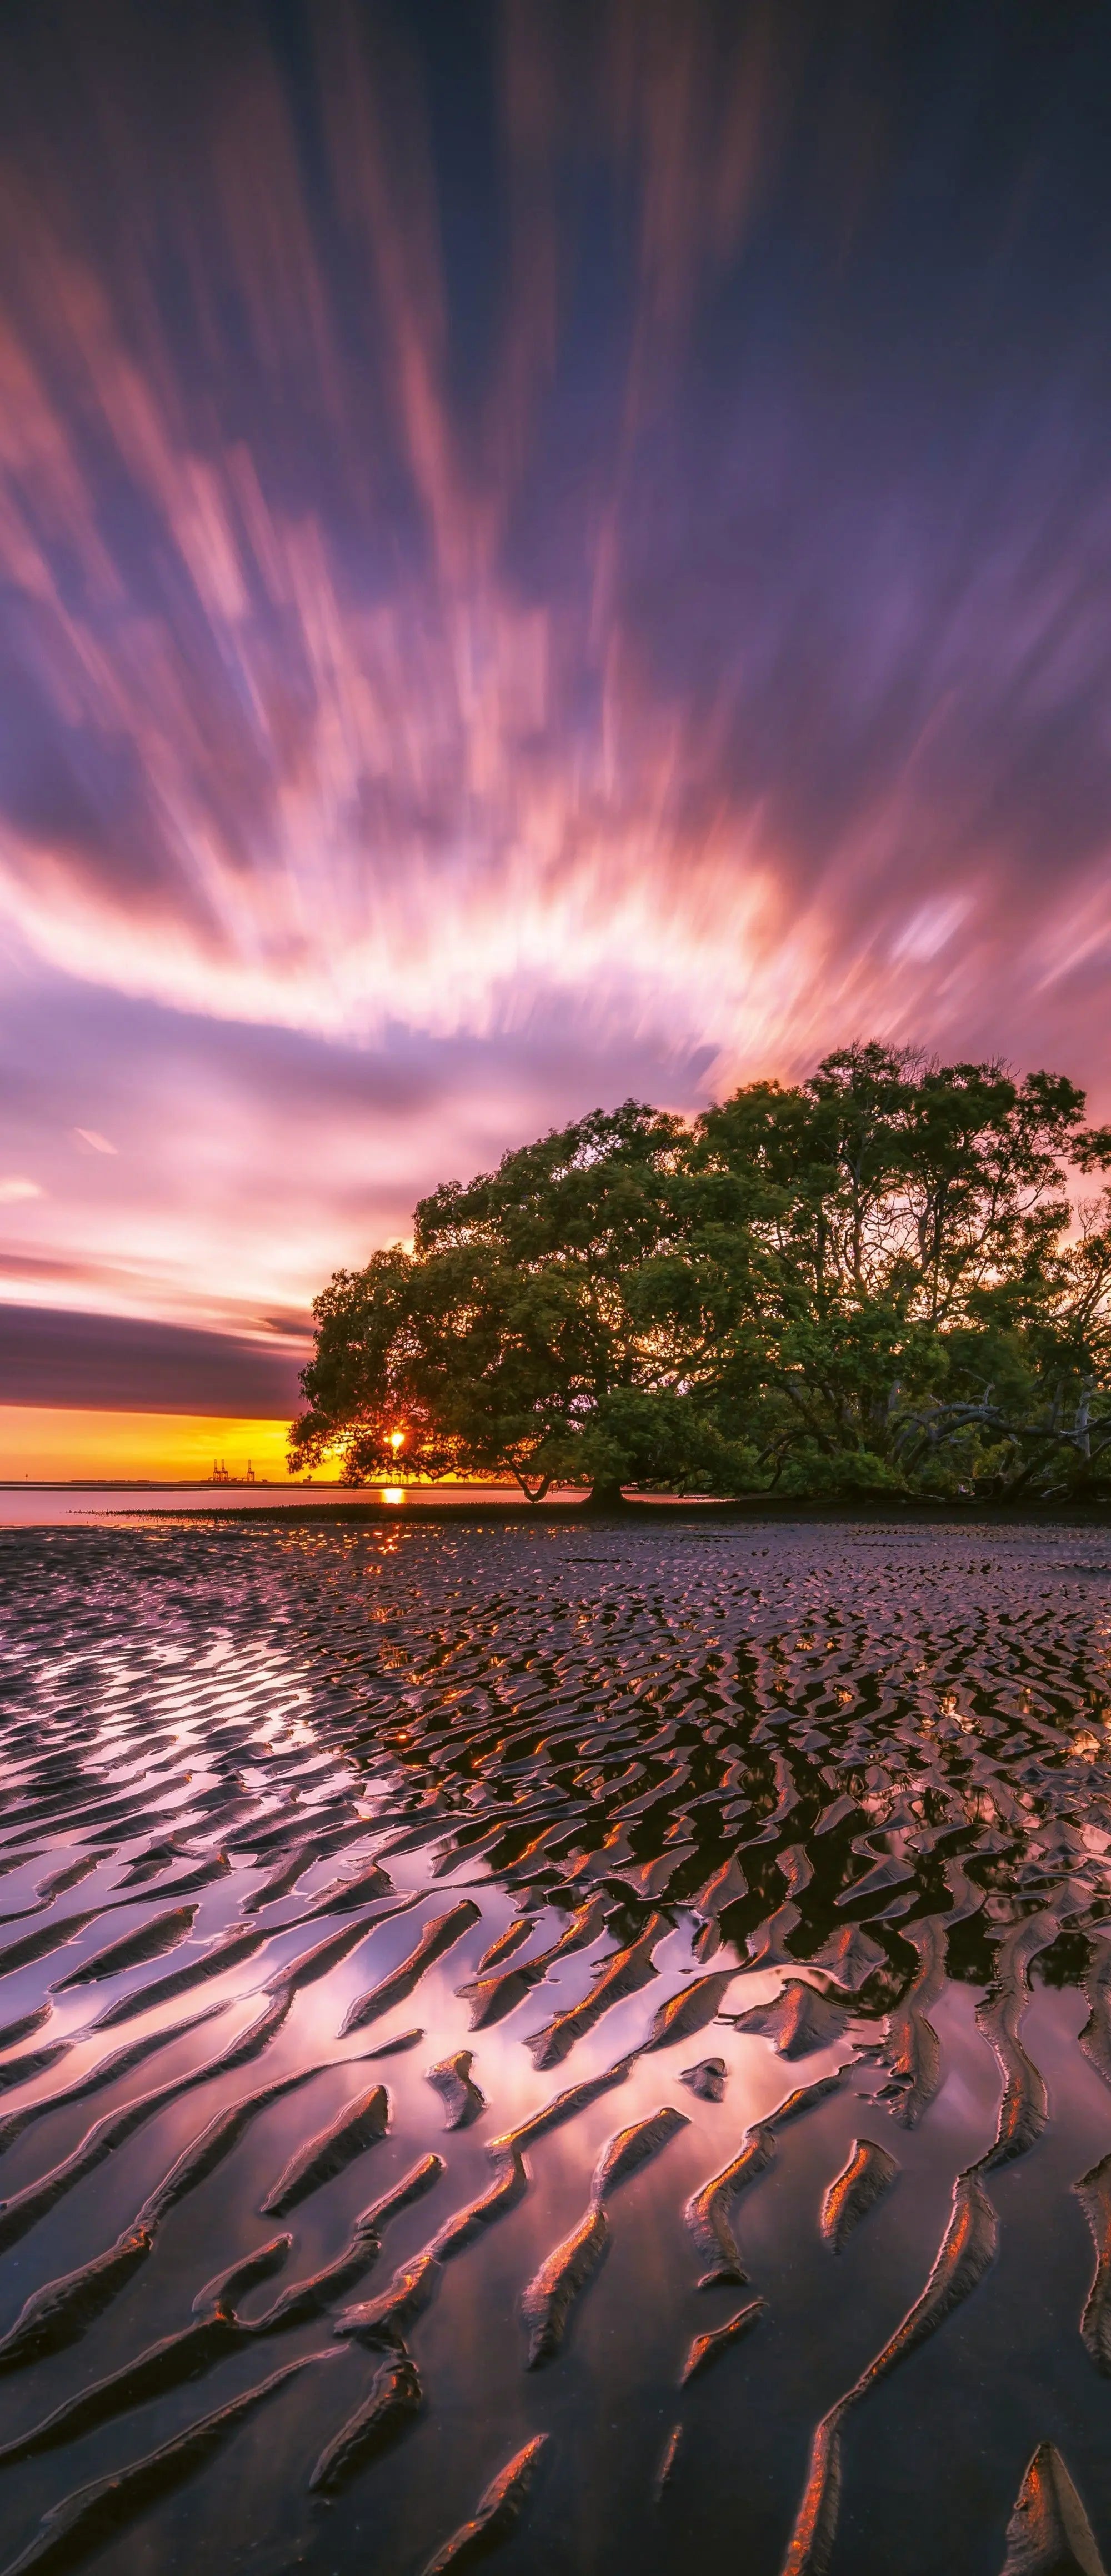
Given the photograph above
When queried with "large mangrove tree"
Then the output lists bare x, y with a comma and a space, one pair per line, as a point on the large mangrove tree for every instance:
894, 1276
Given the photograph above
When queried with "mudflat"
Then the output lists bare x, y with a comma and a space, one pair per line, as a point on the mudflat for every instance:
584, 2043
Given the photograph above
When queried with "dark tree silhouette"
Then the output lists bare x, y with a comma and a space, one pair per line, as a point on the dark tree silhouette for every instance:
873, 1280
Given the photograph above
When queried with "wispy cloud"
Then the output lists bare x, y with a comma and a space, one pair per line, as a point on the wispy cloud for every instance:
598, 528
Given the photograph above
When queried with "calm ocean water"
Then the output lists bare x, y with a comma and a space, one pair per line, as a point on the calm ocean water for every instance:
69, 1506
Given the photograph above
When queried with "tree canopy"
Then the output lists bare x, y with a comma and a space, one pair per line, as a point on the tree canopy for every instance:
885, 1278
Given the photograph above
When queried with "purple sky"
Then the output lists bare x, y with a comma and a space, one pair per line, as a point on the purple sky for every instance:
545, 552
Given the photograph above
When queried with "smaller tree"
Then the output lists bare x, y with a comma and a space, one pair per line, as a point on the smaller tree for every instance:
913, 1308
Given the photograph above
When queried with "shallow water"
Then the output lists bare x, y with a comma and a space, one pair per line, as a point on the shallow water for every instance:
250, 1772
68, 1506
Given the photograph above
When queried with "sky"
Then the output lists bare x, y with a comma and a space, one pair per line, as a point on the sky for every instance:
547, 552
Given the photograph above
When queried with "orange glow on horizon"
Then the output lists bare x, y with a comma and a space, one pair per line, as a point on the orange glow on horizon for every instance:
443, 702
54, 1445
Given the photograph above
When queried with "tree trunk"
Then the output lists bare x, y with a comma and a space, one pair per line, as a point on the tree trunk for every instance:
605, 1497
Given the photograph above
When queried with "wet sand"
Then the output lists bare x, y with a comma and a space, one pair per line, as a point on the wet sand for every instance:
588, 2045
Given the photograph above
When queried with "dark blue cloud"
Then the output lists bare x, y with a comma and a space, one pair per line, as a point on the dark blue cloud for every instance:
544, 554
119, 1364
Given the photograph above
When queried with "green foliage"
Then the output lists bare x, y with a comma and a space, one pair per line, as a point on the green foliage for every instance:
869, 1282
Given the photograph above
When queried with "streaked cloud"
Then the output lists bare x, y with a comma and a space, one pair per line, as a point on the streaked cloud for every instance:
118, 1363
541, 555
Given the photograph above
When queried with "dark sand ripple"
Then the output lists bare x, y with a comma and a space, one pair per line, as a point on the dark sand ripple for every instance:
967, 2248
1049, 2533
104, 2508
395, 2397
709, 2211
869, 2173
547, 2302
359, 2126
708, 2348
494, 2516
838, 1798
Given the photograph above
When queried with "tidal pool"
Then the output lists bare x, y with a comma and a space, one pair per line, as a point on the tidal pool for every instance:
588, 2043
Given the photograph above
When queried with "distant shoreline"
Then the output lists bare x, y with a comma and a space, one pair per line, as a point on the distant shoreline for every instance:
643, 1509
158, 1485
427, 1505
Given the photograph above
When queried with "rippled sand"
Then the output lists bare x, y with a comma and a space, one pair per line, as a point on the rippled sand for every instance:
588, 2045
